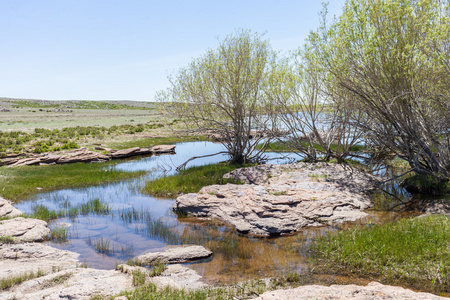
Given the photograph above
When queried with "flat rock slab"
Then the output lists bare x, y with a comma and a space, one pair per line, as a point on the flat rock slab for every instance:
373, 291
24, 229
17, 259
159, 149
7, 210
77, 283
281, 199
175, 276
176, 254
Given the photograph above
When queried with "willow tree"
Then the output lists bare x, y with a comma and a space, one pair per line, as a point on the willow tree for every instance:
221, 93
392, 58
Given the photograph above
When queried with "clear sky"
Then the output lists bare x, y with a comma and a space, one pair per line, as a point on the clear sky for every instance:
123, 50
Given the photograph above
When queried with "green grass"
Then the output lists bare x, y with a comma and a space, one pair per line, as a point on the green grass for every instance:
94, 206
59, 234
415, 252
244, 290
19, 183
11, 281
283, 147
150, 142
189, 180
7, 239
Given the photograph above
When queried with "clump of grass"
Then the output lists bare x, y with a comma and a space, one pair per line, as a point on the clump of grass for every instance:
101, 245
414, 251
190, 180
22, 182
157, 269
139, 278
11, 281
43, 213
7, 240
95, 206
59, 234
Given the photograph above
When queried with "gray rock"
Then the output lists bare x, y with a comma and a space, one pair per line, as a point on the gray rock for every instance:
16, 259
176, 254
373, 291
125, 153
160, 149
178, 277
77, 283
7, 210
24, 229
278, 200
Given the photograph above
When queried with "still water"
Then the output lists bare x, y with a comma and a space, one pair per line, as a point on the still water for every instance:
137, 223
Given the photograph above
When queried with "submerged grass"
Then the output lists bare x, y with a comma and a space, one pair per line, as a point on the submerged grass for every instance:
19, 183
190, 180
94, 206
414, 251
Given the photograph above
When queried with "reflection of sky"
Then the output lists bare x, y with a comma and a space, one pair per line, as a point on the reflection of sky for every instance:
126, 196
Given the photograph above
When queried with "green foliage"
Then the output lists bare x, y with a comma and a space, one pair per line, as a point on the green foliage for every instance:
416, 251
25, 181
59, 234
7, 239
11, 281
222, 92
190, 180
139, 278
425, 184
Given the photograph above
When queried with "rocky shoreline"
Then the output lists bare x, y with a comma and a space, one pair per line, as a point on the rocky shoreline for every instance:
281, 199
273, 200
82, 155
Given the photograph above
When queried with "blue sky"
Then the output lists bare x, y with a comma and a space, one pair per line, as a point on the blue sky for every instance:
123, 50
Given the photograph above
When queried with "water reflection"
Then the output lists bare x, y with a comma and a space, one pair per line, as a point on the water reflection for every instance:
137, 223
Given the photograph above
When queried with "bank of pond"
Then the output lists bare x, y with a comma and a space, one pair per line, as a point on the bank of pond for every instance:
110, 213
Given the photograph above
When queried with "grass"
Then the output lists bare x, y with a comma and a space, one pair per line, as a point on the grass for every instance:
7, 239
94, 206
245, 290
150, 142
284, 147
190, 180
415, 252
11, 281
59, 234
19, 183
139, 278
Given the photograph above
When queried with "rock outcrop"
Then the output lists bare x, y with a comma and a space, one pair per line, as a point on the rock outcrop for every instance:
175, 254
281, 199
24, 230
79, 283
7, 210
17, 259
373, 291
82, 155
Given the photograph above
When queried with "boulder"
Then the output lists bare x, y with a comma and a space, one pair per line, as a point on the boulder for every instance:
281, 199
17, 259
176, 254
161, 149
80, 283
178, 277
373, 291
24, 229
7, 210
125, 153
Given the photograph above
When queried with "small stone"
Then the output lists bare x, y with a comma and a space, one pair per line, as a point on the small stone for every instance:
176, 254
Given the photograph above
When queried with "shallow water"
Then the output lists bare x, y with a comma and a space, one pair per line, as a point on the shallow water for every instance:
138, 223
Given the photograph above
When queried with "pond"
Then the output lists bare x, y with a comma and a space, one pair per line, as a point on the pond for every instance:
135, 223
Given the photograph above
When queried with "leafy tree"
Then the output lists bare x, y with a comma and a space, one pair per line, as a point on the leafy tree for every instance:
392, 58
222, 94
